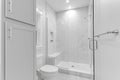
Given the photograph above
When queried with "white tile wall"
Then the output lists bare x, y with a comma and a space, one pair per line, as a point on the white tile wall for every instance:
51, 14
72, 35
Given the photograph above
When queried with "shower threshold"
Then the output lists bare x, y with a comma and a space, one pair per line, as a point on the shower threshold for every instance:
77, 69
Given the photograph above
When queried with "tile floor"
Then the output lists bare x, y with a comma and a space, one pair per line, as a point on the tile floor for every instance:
62, 76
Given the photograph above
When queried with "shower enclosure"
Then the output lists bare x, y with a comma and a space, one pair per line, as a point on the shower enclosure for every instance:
65, 35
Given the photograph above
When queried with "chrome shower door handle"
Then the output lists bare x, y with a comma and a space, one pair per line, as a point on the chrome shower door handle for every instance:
91, 44
95, 44
91, 47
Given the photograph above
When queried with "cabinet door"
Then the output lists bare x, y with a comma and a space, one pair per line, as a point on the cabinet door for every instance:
19, 53
21, 10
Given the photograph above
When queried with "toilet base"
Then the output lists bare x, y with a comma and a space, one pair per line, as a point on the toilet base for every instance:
46, 78
47, 72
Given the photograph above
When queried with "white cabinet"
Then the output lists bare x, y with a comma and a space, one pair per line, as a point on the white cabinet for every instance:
21, 10
19, 52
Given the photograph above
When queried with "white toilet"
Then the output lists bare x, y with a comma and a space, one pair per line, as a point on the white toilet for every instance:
47, 72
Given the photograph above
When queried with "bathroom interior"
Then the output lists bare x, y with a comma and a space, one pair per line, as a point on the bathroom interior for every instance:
64, 47
76, 39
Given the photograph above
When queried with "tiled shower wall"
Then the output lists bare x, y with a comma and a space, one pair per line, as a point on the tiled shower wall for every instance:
72, 35
51, 24
46, 23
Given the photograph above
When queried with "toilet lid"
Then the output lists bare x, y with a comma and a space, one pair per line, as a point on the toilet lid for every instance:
49, 68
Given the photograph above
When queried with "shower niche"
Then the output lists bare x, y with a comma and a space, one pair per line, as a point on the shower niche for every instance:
51, 36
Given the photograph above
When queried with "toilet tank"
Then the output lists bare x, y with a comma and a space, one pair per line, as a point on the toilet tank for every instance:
54, 58
40, 61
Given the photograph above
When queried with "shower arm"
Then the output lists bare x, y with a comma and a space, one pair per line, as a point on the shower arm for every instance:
116, 32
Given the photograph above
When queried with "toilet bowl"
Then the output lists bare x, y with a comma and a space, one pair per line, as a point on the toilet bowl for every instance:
47, 72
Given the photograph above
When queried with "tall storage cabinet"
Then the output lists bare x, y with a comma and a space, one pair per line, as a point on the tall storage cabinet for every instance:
19, 39
19, 55
21, 10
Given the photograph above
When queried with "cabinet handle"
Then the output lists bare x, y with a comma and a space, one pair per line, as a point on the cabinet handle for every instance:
10, 6
10, 33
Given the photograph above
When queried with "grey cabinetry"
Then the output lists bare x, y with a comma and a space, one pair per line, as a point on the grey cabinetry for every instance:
21, 10
19, 52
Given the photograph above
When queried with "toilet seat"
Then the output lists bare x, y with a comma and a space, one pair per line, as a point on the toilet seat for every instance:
49, 69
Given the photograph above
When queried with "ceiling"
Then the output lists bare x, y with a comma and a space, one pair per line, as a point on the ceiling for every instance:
60, 5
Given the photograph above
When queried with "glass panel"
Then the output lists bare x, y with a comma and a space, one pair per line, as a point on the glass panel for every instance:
69, 32
107, 28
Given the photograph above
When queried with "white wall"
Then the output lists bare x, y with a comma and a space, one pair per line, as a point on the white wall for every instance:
46, 23
41, 33
51, 15
72, 35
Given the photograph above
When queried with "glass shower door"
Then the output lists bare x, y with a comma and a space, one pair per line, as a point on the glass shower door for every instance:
70, 38
106, 29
